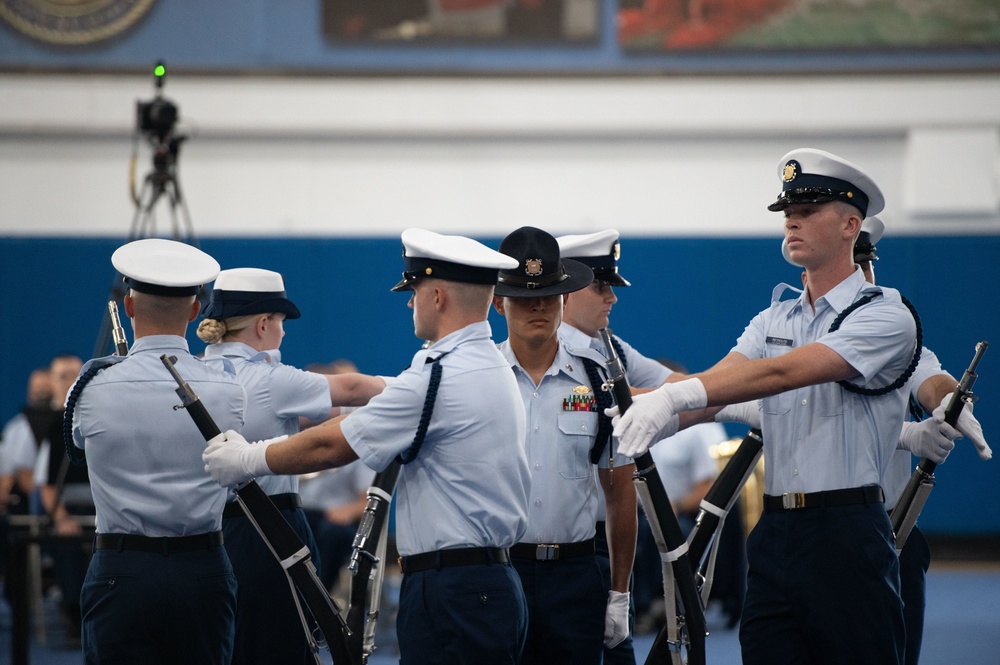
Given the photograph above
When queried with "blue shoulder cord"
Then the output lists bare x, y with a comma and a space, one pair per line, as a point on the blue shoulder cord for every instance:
905, 376
604, 401
411, 453
604, 426
77, 456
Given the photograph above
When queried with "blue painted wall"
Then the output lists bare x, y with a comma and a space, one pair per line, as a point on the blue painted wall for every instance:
690, 301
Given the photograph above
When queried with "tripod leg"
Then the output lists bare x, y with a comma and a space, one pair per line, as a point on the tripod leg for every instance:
185, 234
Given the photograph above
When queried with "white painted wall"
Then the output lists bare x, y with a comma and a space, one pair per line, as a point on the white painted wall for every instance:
650, 156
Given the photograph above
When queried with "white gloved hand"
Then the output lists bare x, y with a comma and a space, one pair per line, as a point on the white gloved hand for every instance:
616, 619
653, 415
967, 426
231, 460
747, 413
931, 439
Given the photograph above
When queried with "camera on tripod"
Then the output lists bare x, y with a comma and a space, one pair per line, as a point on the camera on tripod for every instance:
156, 118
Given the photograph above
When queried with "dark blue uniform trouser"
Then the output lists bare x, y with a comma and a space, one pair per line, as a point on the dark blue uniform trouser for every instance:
624, 653
913, 563
566, 607
159, 609
823, 587
268, 627
473, 615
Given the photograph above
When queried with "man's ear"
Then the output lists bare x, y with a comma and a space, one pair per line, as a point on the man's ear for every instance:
129, 307
195, 309
498, 304
852, 225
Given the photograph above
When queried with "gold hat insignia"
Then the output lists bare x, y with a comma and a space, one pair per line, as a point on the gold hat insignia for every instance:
789, 172
533, 267
618, 251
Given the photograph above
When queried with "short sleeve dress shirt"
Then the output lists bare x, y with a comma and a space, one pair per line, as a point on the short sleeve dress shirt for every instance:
144, 456
277, 395
468, 487
824, 437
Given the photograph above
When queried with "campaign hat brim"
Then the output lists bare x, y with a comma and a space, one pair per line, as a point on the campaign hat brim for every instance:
577, 276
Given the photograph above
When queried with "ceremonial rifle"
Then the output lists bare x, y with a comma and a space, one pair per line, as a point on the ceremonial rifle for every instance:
918, 488
716, 505
688, 627
368, 563
279, 536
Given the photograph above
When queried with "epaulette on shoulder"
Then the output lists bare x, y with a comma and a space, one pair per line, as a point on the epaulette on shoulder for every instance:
777, 295
101, 363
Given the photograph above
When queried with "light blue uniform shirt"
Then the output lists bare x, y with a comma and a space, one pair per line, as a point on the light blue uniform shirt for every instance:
335, 487
642, 372
18, 449
684, 460
144, 456
277, 395
902, 464
823, 437
469, 485
563, 506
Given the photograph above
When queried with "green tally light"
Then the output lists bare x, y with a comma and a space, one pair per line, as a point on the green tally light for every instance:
160, 70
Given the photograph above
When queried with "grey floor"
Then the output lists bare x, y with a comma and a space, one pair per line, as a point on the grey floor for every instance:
962, 625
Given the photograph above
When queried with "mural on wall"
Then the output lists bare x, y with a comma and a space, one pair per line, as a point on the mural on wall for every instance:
73, 22
513, 21
786, 25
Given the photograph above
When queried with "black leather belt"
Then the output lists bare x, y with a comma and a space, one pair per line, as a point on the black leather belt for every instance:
165, 545
288, 501
552, 552
846, 497
466, 556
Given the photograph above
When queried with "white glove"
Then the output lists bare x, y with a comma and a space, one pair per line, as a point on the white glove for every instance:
747, 413
653, 415
931, 439
967, 426
616, 619
231, 460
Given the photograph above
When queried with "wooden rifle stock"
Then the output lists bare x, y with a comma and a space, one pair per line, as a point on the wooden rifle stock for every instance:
277, 533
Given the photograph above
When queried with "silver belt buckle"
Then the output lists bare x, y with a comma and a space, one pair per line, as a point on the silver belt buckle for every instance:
793, 500
546, 552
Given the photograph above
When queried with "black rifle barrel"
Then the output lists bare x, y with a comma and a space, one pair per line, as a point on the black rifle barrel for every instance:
924, 473
673, 536
288, 548
722, 493
364, 558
